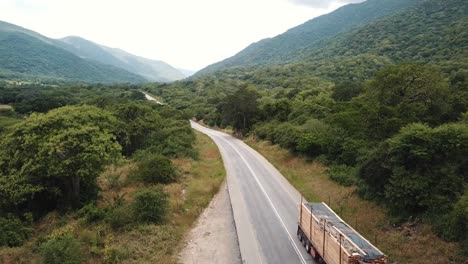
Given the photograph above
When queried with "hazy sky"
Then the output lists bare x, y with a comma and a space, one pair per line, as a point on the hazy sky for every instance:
189, 34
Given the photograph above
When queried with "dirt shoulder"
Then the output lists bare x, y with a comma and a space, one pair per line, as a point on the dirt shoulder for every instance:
214, 237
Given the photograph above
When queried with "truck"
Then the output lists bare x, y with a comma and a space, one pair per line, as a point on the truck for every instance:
329, 239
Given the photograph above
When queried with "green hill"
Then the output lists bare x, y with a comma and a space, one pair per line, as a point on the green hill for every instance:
25, 54
152, 70
431, 32
289, 46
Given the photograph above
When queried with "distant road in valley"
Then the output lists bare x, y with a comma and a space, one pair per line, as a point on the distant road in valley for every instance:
265, 206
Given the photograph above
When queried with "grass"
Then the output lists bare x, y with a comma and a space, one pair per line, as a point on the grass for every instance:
142, 243
404, 244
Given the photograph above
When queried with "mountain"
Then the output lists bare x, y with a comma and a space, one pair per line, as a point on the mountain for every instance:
27, 54
151, 70
288, 47
430, 32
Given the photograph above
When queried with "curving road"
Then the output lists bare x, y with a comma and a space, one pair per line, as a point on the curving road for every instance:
265, 206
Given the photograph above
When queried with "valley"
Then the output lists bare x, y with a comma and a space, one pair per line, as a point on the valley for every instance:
110, 157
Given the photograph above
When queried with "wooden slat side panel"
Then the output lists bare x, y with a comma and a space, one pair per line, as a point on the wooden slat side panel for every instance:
317, 236
305, 221
332, 250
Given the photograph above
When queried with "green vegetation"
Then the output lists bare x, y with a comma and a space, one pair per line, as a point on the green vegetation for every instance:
151, 70
155, 168
27, 55
63, 248
343, 46
405, 243
14, 231
67, 148
383, 105
24, 57
381, 99
77, 178
151, 205
290, 46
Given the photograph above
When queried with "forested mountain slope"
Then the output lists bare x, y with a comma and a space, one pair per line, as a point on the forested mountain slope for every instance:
431, 32
288, 46
25, 56
152, 70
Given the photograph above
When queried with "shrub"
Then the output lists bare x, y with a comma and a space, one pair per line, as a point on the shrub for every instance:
62, 249
151, 205
454, 225
342, 174
115, 254
155, 168
13, 231
287, 135
120, 217
316, 138
265, 130
420, 169
92, 213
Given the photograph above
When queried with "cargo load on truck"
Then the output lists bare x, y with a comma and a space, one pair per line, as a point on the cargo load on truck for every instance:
330, 239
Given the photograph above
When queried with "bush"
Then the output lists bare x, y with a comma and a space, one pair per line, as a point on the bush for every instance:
62, 249
420, 169
265, 130
92, 213
316, 139
343, 174
287, 135
454, 225
13, 231
151, 205
120, 217
155, 168
115, 255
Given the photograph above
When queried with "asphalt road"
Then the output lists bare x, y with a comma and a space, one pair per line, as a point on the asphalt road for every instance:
265, 206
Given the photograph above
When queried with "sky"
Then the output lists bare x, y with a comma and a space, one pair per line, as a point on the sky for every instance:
188, 34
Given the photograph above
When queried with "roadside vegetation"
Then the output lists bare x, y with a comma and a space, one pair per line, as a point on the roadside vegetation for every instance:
107, 177
403, 243
399, 138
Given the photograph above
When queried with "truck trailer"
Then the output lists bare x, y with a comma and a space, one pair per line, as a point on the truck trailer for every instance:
327, 238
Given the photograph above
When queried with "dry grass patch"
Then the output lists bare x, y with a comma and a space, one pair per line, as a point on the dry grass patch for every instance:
406, 244
5, 107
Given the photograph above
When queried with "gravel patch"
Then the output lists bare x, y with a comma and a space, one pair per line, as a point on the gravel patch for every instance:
214, 237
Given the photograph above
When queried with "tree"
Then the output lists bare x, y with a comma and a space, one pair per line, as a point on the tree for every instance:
420, 169
155, 168
404, 94
137, 123
58, 156
345, 91
240, 108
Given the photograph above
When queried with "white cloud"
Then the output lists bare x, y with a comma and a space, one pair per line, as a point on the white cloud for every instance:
184, 33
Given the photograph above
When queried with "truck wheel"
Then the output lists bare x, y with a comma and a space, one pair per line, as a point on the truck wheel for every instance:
304, 241
307, 247
299, 235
